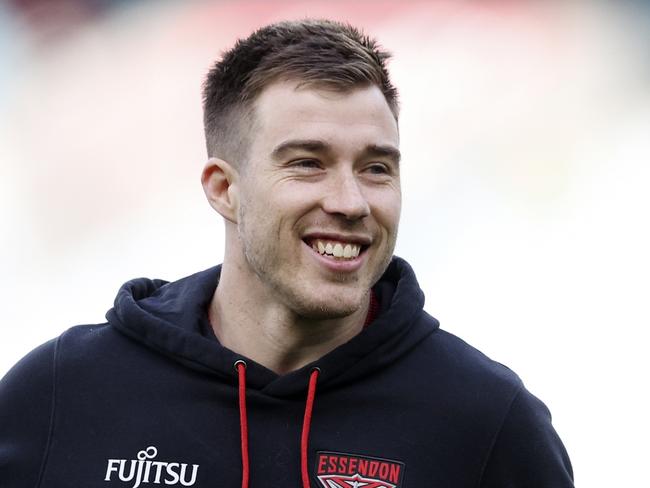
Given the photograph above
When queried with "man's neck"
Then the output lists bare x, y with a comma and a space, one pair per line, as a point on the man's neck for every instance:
271, 334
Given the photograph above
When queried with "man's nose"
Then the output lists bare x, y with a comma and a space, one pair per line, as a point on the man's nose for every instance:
346, 197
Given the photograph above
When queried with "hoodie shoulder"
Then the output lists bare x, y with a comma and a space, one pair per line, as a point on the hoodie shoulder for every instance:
512, 427
27, 401
466, 360
527, 451
464, 380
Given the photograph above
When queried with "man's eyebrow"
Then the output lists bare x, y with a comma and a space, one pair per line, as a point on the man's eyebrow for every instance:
309, 145
384, 151
318, 146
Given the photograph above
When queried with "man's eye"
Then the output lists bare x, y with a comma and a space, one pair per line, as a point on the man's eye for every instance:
378, 169
306, 163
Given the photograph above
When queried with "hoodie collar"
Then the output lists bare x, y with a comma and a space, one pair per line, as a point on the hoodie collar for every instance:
170, 317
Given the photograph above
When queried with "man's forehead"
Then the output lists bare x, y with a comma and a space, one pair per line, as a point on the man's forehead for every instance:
291, 110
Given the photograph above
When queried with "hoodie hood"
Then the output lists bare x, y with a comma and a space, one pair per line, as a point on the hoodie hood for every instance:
171, 318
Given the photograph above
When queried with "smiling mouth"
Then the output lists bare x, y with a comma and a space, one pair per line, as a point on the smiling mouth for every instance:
337, 250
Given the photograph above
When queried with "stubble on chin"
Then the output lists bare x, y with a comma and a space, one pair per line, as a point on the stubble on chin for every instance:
298, 294
340, 297
302, 297
317, 308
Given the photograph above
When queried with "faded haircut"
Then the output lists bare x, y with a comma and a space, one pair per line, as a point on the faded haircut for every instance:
320, 53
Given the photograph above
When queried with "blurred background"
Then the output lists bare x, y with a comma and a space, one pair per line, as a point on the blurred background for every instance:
526, 138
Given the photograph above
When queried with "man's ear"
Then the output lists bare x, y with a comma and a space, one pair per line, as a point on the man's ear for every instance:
221, 185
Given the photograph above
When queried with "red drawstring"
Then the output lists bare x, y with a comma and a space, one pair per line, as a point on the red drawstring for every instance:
306, 424
240, 366
243, 422
373, 309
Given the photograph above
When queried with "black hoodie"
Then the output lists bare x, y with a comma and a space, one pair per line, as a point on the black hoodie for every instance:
151, 398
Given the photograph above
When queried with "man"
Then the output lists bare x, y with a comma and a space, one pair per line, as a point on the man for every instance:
306, 357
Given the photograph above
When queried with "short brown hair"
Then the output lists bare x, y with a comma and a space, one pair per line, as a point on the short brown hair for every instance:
322, 53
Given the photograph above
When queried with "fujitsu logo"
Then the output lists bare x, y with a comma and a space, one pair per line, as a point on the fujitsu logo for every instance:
144, 470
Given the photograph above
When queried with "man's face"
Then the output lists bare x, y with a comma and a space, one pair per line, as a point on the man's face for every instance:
320, 196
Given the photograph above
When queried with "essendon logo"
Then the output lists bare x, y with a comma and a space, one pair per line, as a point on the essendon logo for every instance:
336, 470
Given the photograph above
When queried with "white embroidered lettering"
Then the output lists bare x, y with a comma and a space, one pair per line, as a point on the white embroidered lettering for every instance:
110, 468
195, 469
142, 469
159, 467
131, 471
174, 476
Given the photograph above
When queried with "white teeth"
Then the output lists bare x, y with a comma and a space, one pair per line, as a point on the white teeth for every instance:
336, 249
347, 251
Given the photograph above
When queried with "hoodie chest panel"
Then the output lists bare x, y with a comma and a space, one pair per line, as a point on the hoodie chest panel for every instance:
148, 421
429, 446
439, 422
102, 439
